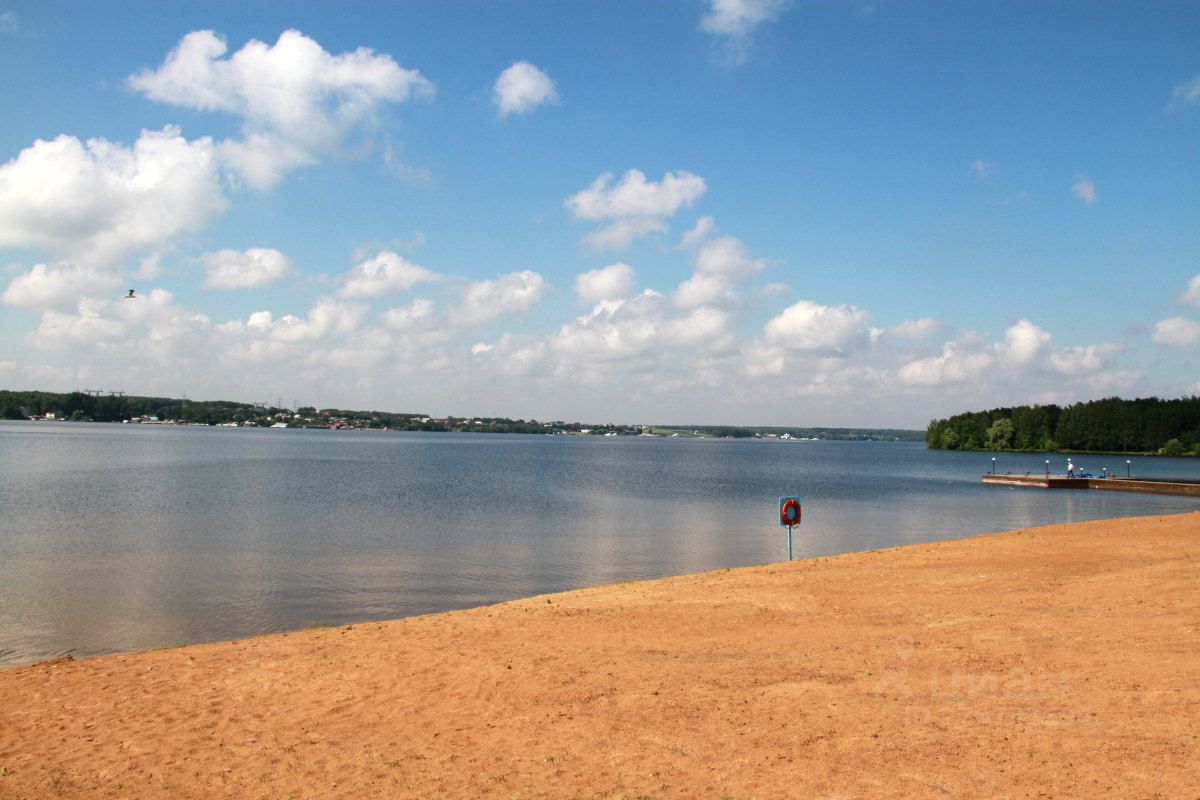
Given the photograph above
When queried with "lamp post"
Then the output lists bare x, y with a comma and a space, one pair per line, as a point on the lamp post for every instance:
1105, 472
1127, 468
1047, 468
993, 465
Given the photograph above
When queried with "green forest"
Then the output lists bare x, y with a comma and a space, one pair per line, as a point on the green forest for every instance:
1112, 425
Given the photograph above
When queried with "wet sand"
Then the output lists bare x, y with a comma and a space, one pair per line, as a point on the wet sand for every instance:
1050, 662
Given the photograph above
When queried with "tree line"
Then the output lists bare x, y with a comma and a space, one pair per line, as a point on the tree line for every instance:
1143, 425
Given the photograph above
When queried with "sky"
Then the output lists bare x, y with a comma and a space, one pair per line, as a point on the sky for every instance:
757, 212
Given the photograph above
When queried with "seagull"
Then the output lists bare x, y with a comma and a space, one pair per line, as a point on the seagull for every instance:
130, 296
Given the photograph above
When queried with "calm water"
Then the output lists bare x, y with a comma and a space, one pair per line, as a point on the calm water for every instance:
118, 537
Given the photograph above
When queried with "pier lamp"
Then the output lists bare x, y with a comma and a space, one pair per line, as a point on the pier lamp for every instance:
1047, 468
993, 465
1127, 468
1105, 471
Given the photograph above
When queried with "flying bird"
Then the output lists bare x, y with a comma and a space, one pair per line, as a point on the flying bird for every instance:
130, 296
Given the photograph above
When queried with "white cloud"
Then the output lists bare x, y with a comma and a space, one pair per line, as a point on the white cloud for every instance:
514, 292
408, 316
1024, 343
97, 201
386, 273
327, 318
297, 101
152, 325
702, 326
62, 286
1191, 295
613, 282
1187, 92
735, 20
634, 196
700, 290
921, 328
726, 256
1177, 332
621, 233
955, 364
256, 267
521, 88
613, 330
806, 325
510, 355
1074, 361
697, 232
8, 22
635, 205
981, 168
1085, 190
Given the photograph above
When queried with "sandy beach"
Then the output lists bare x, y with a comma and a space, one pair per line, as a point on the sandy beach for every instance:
1052, 662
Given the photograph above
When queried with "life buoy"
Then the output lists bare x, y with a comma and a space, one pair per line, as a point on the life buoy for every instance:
786, 514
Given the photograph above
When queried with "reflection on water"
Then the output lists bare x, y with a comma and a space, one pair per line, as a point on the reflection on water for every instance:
117, 538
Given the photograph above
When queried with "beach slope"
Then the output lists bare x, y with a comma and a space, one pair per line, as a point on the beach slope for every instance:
1052, 662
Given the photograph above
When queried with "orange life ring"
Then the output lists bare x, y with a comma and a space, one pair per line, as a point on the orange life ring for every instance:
784, 517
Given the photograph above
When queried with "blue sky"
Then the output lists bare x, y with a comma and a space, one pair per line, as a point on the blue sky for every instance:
838, 213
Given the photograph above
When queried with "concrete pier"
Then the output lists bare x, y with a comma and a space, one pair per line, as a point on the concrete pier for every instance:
1104, 484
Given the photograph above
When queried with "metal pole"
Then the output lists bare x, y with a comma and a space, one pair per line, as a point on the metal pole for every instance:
789, 542
993, 465
1047, 468
1127, 468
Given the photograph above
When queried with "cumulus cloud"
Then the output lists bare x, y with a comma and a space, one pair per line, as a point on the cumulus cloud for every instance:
1191, 295
1026, 353
1178, 332
510, 355
921, 328
701, 289
955, 364
507, 294
697, 232
325, 319
611, 331
61, 286
621, 233
153, 325
613, 282
1024, 343
297, 101
386, 273
521, 88
734, 22
806, 325
1075, 361
407, 317
634, 206
717, 265
256, 267
726, 256
97, 201
1085, 190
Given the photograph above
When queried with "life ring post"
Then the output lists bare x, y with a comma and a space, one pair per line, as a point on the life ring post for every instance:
789, 516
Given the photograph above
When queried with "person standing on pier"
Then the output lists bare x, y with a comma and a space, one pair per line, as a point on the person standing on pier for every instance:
1070, 469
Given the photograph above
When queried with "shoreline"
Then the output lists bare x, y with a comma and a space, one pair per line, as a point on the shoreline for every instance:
1051, 659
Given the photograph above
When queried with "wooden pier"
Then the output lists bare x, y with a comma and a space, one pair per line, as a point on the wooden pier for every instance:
1104, 484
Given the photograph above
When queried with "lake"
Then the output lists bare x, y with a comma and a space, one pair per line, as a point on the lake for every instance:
124, 537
